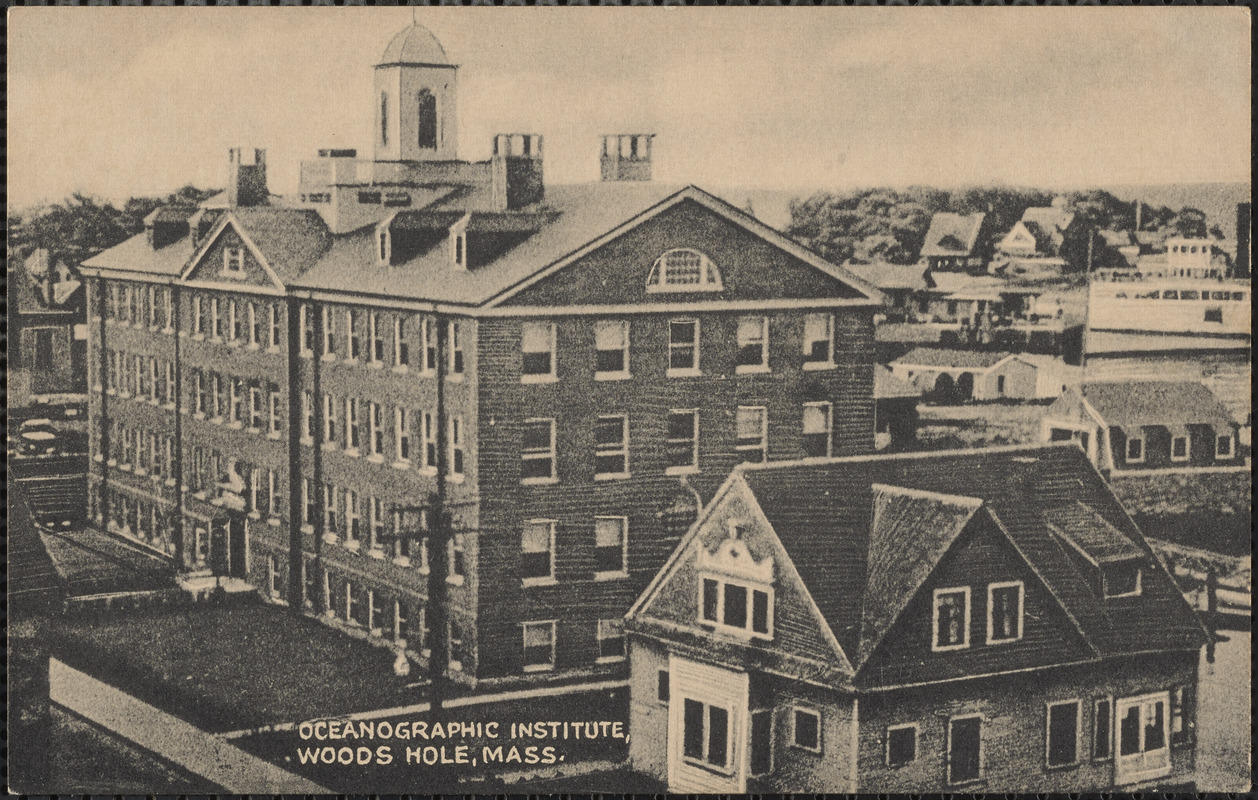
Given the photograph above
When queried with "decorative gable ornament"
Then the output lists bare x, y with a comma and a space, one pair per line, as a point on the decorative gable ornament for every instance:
732, 557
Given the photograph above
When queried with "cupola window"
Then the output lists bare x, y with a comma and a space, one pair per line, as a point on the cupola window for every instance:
384, 119
427, 120
683, 270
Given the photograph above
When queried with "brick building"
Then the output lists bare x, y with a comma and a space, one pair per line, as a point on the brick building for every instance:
968, 621
546, 382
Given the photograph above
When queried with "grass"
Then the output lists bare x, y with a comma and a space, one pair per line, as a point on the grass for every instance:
232, 667
978, 425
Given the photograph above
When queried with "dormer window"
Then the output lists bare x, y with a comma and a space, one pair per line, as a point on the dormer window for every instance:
683, 270
384, 246
736, 590
234, 262
950, 622
1121, 579
459, 245
1004, 611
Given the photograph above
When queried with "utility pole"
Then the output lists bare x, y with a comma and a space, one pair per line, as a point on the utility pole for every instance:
439, 537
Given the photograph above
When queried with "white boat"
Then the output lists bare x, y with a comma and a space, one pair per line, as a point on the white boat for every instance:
1133, 312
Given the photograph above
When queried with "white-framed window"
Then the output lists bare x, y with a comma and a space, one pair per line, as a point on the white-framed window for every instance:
384, 244
458, 249
272, 577
736, 606
375, 522
611, 349
237, 388
537, 551
273, 325
353, 434
539, 646
168, 309
454, 558
1121, 579
1183, 714
683, 347
353, 345
537, 344
1143, 735
806, 729
375, 428
753, 345
1181, 447
329, 331
901, 744
818, 341
233, 262
950, 619
255, 324
611, 639
752, 433
683, 270
216, 319
1135, 449
611, 547
1004, 611
255, 406
150, 305
353, 519
402, 435
611, 447
682, 446
1224, 447
456, 351
428, 432
1062, 731
307, 416
401, 349
706, 736
537, 451
307, 502
273, 409
307, 330
428, 329
375, 338
1102, 728
330, 516
817, 427
329, 418
964, 753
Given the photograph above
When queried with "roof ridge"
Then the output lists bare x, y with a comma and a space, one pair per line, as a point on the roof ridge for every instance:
919, 454
957, 499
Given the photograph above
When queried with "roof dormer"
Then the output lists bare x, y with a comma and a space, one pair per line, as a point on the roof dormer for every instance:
735, 589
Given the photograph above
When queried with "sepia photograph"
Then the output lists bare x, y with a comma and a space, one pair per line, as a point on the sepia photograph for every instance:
645, 399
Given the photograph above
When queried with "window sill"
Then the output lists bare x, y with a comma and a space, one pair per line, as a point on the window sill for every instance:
683, 373
609, 659
376, 458
402, 561
454, 580
201, 495
198, 337
273, 436
400, 369
458, 478
538, 481
375, 365
352, 545
168, 331
273, 349
254, 346
233, 343
254, 429
254, 515
611, 476
612, 376
330, 447
948, 648
236, 425
376, 553
352, 452
274, 522
401, 465
539, 379
455, 377
168, 406
328, 358
306, 529
306, 354
539, 667
98, 458
818, 366
1061, 767
111, 392
307, 441
198, 415
349, 361
681, 471
330, 538
124, 467
530, 582
752, 369
611, 576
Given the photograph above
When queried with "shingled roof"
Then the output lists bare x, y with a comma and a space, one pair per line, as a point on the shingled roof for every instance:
864, 533
952, 234
950, 359
1161, 403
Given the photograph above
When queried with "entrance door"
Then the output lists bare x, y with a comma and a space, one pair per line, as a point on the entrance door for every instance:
237, 547
1143, 733
965, 749
707, 732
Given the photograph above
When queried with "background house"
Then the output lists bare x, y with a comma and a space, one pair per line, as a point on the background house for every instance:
46, 324
952, 242
961, 375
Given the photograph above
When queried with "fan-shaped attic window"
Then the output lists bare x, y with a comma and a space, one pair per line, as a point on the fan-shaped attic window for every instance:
683, 270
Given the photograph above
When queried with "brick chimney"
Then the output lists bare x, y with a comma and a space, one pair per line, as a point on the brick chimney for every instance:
626, 157
516, 168
246, 177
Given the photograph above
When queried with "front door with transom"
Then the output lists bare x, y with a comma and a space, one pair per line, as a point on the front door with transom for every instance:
707, 728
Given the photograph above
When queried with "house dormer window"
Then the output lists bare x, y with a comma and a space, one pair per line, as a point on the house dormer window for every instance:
384, 246
1121, 579
736, 590
1004, 611
1223, 447
234, 262
683, 270
459, 248
950, 622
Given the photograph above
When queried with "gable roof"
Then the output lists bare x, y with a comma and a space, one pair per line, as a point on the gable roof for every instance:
951, 359
890, 276
952, 234
887, 385
1161, 403
827, 516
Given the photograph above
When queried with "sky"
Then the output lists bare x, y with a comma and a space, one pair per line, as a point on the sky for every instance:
123, 101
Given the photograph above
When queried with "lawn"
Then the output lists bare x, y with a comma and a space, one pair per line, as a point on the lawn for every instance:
231, 667
979, 425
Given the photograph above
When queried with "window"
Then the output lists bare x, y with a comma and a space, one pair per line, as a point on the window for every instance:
307, 416
272, 577
1000, 384
1120, 579
375, 429
429, 434
329, 419
611, 346
1062, 734
1223, 447
401, 350
682, 447
950, 627
273, 409
353, 519
965, 749
352, 432
429, 331
308, 509
611, 639
384, 244
375, 337
538, 451
454, 557
329, 331
1183, 715
375, 522
1102, 728
611, 447
1213, 314
537, 551
806, 729
458, 242
329, 509
255, 407
736, 606
1143, 734
901, 745
761, 757
234, 262
753, 344
661, 686
705, 734
1179, 448
611, 546
1135, 450
818, 341
402, 435
817, 426
752, 431
539, 646
427, 127
538, 345
683, 347
307, 331
273, 315
683, 270
1004, 612
353, 346
456, 352
384, 119
216, 319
